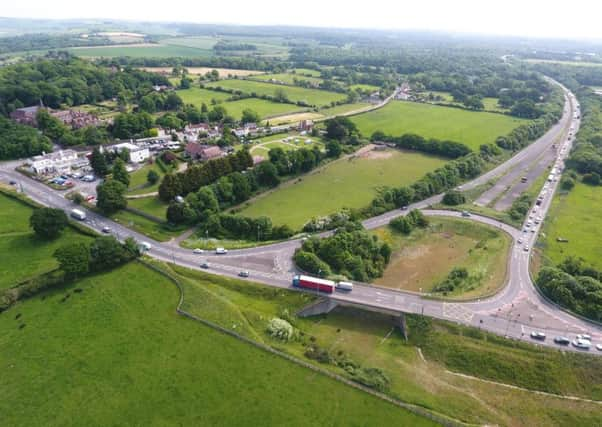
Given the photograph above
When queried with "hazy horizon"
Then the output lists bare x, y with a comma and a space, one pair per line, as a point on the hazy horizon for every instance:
536, 19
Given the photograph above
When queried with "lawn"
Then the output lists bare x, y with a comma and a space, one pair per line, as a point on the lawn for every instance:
425, 257
155, 230
118, 349
263, 107
433, 121
24, 256
372, 340
139, 183
151, 205
348, 182
345, 108
197, 96
144, 50
575, 216
287, 78
294, 93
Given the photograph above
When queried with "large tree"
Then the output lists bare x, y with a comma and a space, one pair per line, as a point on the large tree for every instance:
110, 196
48, 223
98, 162
74, 259
120, 173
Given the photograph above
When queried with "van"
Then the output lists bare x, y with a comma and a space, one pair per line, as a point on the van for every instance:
144, 246
221, 251
78, 214
345, 286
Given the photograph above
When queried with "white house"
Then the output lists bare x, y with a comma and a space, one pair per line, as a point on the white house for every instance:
60, 162
138, 154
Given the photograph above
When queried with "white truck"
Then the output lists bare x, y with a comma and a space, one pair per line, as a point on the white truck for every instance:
78, 214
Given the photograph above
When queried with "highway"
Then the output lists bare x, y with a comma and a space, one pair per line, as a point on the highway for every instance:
516, 311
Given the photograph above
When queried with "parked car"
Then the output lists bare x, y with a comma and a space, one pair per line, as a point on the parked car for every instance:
562, 340
13, 182
536, 335
244, 273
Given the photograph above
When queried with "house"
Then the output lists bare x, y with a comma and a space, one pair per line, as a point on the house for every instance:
26, 115
76, 119
62, 161
202, 152
306, 125
137, 153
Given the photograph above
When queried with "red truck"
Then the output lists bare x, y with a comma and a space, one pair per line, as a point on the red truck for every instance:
314, 283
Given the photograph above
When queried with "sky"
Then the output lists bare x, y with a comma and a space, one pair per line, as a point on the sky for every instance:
531, 18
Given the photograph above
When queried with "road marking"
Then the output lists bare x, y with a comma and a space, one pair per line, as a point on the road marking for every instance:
457, 311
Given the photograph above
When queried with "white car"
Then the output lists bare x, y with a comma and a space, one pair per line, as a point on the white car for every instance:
538, 335
198, 251
526, 248
221, 251
582, 344
585, 337
599, 347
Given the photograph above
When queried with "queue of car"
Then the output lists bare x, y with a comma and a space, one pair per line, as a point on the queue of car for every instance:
581, 341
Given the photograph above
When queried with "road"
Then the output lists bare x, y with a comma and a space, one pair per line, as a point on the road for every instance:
514, 312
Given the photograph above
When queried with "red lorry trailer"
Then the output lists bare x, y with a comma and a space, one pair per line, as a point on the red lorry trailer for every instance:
314, 283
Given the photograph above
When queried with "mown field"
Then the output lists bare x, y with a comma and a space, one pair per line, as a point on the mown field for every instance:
432, 121
22, 254
348, 182
295, 94
198, 96
139, 183
425, 257
371, 340
144, 50
118, 349
264, 108
575, 216
287, 78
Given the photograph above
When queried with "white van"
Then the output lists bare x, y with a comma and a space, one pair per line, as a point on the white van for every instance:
221, 251
144, 246
345, 286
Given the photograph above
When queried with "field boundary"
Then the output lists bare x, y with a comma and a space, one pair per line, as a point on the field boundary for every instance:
417, 410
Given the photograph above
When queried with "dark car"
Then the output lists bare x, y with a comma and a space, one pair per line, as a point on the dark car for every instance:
538, 336
205, 265
12, 182
562, 340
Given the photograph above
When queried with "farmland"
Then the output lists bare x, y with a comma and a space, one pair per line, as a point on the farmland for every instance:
198, 96
140, 51
295, 94
287, 78
576, 217
349, 182
197, 71
372, 340
452, 243
262, 107
23, 255
432, 121
123, 354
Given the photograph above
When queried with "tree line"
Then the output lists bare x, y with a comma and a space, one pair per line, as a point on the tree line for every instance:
409, 141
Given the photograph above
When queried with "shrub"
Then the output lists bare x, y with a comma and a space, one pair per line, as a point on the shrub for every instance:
280, 329
454, 198
48, 223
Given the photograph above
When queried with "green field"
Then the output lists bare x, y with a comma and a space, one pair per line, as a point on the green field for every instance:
197, 96
263, 107
155, 230
24, 256
575, 216
348, 182
156, 51
287, 78
482, 250
307, 72
373, 340
139, 183
295, 94
116, 352
345, 108
151, 205
433, 121
364, 88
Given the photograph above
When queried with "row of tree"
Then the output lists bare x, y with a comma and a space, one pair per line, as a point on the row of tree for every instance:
410, 141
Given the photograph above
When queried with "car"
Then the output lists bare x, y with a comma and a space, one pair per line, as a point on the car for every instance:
526, 248
562, 340
523, 179
198, 251
582, 344
599, 347
244, 273
13, 182
221, 251
519, 241
525, 230
538, 335
465, 213
205, 265
106, 229
585, 337
404, 208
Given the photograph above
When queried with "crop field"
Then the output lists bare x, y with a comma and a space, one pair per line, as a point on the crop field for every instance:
140, 50
197, 96
23, 255
425, 257
262, 107
372, 340
287, 78
295, 94
348, 182
433, 121
575, 216
123, 354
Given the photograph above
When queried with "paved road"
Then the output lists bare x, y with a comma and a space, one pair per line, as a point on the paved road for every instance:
514, 312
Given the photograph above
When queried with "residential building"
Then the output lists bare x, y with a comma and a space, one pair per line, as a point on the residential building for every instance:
306, 125
63, 161
202, 152
137, 153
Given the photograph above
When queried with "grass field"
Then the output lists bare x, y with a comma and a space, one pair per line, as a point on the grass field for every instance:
432, 121
364, 87
307, 72
124, 354
196, 71
345, 108
144, 50
262, 107
197, 96
575, 216
426, 257
372, 340
24, 256
151, 205
139, 183
310, 96
287, 78
155, 230
348, 183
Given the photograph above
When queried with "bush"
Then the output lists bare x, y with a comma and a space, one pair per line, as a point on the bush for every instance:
280, 329
309, 262
454, 198
567, 183
48, 223
592, 178
401, 224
